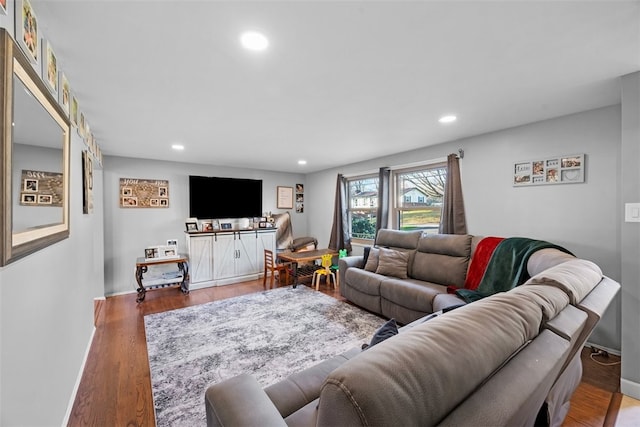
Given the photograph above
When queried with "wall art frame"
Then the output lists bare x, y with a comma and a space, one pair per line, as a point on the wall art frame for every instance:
568, 169
284, 197
87, 182
144, 193
27, 34
50, 67
65, 93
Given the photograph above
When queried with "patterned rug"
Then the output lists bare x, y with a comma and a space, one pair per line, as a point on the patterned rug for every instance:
269, 334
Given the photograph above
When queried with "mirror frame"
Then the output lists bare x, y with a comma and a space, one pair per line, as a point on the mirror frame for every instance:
20, 244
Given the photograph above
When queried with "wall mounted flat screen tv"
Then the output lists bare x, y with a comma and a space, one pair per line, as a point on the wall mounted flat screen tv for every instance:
216, 198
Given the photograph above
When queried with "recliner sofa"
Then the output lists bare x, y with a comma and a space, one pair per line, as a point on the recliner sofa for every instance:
512, 358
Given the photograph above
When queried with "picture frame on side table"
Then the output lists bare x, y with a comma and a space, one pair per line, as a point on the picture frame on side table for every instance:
284, 197
192, 227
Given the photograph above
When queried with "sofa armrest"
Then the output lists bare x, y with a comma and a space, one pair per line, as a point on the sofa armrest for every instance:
356, 261
240, 401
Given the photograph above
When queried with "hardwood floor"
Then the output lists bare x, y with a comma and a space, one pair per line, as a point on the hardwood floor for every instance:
115, 389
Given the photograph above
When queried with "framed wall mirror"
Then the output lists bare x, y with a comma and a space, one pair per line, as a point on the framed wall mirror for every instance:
34, 171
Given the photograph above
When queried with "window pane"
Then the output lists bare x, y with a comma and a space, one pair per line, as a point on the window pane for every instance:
363, 193
363, 224
422, 219
363, 202
422, 188
419, 197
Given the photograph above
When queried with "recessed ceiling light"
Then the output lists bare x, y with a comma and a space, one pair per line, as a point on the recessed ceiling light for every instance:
178, 147
302, 162
448, 119
254, 41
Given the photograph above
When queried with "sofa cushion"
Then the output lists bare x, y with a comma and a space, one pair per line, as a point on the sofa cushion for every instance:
576, 277
551, 300
495, 328
371, 263
397, 238
442, 259
392, 263
411, 293
363, 281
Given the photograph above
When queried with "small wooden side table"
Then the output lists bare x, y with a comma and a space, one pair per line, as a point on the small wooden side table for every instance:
181, 278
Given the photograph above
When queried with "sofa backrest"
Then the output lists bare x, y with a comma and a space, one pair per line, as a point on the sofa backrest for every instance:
398, 239
442, 259
424, 373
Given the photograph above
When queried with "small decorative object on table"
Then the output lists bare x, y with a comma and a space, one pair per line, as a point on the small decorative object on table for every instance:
191, 226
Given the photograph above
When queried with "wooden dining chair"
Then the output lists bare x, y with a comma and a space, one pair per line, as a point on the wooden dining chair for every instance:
273, 267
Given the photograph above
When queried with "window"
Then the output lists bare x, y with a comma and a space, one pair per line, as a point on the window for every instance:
363, 205
419, 193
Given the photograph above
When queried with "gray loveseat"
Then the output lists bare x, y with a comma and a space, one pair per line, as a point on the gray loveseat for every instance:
508, 359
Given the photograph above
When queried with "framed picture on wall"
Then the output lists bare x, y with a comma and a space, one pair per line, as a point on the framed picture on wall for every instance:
3, 7
284, 197
65, 93
27, 34
74, 111
49, 67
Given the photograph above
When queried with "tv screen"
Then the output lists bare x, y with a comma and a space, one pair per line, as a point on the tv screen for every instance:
215, 198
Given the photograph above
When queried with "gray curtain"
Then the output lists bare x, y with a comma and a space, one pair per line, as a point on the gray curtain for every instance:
382, 215
339, 238
453, 218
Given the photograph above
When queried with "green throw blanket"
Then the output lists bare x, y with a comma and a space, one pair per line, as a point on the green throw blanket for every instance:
507, 267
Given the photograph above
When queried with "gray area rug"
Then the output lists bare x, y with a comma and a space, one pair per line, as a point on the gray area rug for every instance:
269, 334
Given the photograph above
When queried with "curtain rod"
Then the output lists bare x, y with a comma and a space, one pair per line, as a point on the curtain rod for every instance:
404, 166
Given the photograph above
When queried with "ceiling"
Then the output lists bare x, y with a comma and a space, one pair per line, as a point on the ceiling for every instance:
341, 81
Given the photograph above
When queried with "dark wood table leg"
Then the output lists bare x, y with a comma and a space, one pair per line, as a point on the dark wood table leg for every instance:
184, 268
295, 274
140, 270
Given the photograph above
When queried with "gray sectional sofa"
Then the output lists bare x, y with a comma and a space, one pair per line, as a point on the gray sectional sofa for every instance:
434, 264
512, 358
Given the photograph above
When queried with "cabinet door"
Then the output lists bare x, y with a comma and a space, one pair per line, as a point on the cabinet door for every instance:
224, 256
266, 240
246, 261
200, 251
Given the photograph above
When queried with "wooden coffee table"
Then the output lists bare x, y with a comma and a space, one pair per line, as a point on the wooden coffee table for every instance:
296, 258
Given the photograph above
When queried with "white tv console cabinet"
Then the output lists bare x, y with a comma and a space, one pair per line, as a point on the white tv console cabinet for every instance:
223, 257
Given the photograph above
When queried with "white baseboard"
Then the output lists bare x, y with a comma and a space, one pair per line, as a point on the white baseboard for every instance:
67, 415
630, 388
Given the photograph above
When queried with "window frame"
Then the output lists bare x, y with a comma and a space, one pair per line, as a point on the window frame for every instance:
398, 201
350, 209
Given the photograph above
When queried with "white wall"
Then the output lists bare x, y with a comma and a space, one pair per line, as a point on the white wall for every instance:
630, 184
6, 21
584, 218
46, 313
129, 231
